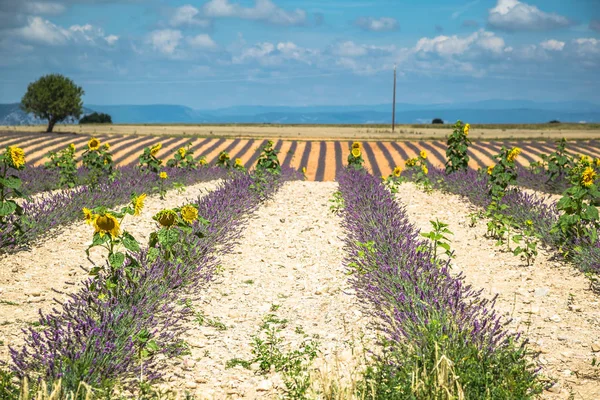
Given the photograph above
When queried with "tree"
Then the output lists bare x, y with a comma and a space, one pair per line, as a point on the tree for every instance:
53, 97
437, 121
96, 118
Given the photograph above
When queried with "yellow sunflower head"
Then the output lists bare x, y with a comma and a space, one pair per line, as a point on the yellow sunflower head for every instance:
107, 146
356, 145
202, 161
89, 216
138, 204
154, 149
93, 144
588, 176
467, 127
597, 162
423, 154
16, 157
397, 171
512, 155
189, 213
223, 156
181, 151
383, 178
107, 223
163, 175
411, 162
72, 147
585, 160
304, 170
529, 222
356, 152
425, 170
166, 218
238, 162
490, 169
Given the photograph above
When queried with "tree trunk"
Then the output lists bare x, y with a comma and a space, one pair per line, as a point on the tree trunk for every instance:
51, 123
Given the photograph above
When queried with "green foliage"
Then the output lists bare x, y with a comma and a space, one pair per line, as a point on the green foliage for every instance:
393, 180
579, 219
437, 121
184, 158
13, 158
64, 162
438, 239
500, 224
420, 171
96, 118
337, 202
224, 161
355, 159
97, 158
53, 97
148, 160
504, 173
268, 161
527, 243
458, 145
366, 253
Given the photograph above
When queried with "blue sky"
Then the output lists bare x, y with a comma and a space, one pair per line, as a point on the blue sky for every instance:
219, 53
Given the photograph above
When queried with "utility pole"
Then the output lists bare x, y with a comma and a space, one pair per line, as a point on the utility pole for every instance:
394, 102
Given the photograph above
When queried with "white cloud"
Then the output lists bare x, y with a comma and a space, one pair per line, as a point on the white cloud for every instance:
377, 25
351, 49
263, 10
111, 39
513, 15
165, 40
188, 15
202, 41
43, 31
448, 46
553, 45
587, 46
269, 54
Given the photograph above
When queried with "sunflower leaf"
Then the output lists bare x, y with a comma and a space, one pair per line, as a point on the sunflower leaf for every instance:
130, 243
116, 260
11, 182
7, 208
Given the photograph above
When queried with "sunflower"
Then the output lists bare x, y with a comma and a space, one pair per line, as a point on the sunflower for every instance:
189, 213
202, 161
166, 218
238, 162
356, 145
72, 147
17, 157
181, 152
490, 169
107, 146
89, 216
411, 162
588, 176
397, 171
107, 223
513, 154
163, 175
94, 144
585, 160
154, 149
383, 178
467, 127
425, 170
223, 156
138, 204
597, 162
304, 170
356, 152
423, 154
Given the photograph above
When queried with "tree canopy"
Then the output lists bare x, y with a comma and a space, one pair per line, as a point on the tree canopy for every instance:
53, 97
96, 118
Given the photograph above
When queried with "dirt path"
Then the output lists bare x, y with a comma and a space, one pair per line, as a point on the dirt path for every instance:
287, 266
550, 302
27, 278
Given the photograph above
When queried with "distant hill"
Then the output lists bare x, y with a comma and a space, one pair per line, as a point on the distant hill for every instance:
11, 114
488, 111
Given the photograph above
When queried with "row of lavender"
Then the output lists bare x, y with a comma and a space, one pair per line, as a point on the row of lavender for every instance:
116, 337
439, 335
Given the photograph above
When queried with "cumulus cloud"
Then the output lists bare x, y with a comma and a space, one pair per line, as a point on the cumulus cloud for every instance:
513, 15
202, 41
263, 10
40, 30
269, 54
165, 40
553, 45
188, 15
350, 49
448, 46
586, 47
377, 24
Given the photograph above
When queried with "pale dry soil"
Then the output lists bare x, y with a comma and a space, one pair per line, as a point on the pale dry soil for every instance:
29, 279
550, 301
322, 132
288, 263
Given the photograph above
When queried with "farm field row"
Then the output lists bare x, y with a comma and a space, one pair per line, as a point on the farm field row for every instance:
323, 160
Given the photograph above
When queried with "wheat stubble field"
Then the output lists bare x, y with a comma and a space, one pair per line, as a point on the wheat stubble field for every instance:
278, 282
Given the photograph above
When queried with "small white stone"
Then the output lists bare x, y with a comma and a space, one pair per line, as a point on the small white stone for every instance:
264, 386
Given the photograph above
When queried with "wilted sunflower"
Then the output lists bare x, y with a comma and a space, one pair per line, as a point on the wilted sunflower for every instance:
88, 215
17, 157
181, 151
490, 169
423, 154
163, 175
166, 218
588, 176
138, 204
467, 127
356, 145
94, 144
356, 152
189, 213
238, 162
397, 171
513, 154
107, 223
154, 149
425, 170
